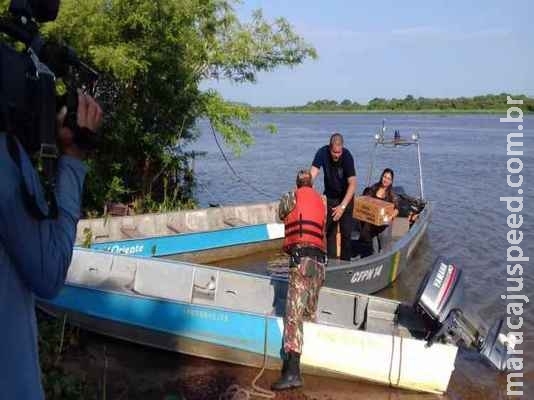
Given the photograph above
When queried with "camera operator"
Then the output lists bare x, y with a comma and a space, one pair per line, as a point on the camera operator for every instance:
35, 253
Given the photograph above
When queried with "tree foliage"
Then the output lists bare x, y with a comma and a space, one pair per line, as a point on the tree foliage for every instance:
152, 56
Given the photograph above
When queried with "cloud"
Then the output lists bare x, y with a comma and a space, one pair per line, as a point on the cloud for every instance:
331, 33
422, 32
490, 33
412, 33
415, 31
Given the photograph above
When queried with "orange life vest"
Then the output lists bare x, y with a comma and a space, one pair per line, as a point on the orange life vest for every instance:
304, 225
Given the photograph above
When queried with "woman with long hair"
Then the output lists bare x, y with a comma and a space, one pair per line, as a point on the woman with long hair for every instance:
383, 190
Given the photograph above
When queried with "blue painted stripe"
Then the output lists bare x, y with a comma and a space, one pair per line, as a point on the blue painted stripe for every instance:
186, 242
235, 329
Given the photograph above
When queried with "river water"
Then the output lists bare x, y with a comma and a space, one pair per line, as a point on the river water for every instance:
464, 168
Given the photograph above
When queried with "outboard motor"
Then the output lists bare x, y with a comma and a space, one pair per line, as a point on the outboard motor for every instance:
439, 300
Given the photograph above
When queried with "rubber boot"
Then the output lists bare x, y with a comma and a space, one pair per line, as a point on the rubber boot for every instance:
285, 364
290, 378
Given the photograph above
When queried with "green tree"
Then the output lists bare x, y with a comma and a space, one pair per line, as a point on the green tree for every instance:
377, 104
153, 55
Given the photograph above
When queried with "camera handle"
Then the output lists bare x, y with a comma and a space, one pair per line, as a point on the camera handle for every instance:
45, 107
48, 153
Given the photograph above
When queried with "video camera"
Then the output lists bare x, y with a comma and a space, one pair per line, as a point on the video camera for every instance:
29, 100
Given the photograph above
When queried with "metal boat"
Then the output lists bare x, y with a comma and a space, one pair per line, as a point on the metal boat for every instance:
237, 317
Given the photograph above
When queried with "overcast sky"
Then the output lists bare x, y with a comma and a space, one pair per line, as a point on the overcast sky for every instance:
387, 48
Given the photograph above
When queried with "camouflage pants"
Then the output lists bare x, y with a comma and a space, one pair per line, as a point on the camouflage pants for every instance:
305, 280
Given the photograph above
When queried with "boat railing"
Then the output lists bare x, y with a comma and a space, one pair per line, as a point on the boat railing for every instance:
397, 141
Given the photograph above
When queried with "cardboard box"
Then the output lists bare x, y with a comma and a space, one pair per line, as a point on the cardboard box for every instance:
375, 211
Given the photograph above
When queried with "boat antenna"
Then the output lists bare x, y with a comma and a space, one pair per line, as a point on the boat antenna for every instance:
415, 138
379, 138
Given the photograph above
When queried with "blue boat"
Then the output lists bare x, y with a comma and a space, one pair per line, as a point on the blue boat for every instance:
237, 317
198, 242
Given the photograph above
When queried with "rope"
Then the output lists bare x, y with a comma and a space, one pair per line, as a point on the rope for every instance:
394, 331
400, 363
236, 392
391, 359
239, 178
211, 196
104, 379
62, 338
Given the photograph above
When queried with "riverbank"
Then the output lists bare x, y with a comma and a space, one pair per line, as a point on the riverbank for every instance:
268, 110
486, 104
92, 366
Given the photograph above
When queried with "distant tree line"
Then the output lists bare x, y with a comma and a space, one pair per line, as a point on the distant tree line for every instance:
485, 103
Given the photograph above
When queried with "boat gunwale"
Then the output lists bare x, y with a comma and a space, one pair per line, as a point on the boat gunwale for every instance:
169, 236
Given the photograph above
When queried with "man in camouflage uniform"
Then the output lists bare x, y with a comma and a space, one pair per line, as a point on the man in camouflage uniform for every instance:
304, 215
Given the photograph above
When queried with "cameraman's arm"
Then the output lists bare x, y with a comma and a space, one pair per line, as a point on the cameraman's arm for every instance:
41, 250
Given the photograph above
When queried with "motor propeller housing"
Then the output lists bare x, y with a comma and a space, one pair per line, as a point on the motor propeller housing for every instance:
440, 299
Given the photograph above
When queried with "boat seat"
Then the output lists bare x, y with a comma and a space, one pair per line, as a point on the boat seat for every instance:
381, 315
89, 268
122, 274
245, 293
167, 280
336, 308
196, 221
232, 221
175, 228
131, 232
102, 270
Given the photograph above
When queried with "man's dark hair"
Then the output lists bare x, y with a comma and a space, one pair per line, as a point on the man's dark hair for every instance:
336, 138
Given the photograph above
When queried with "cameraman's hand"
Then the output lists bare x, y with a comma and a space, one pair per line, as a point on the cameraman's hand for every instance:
89, 116
89, 112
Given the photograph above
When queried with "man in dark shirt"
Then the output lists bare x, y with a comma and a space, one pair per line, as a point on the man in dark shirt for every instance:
339, 187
